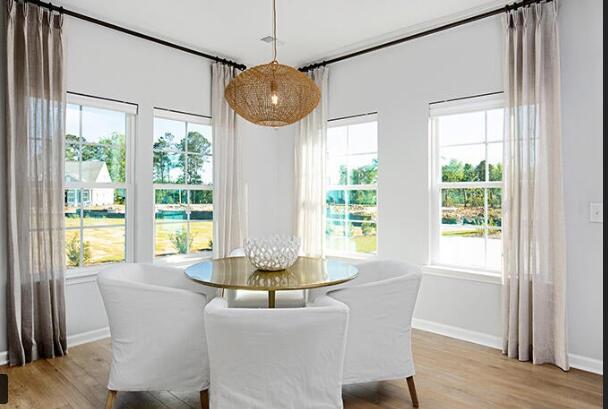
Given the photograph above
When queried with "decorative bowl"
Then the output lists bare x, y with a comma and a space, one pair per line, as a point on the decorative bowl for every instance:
272, 253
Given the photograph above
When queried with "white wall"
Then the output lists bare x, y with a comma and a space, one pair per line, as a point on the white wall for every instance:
460, 62
583, 121
109, 64
268, 169
401, 81
106, 63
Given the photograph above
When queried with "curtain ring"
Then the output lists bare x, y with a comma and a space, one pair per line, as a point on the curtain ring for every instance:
60, 17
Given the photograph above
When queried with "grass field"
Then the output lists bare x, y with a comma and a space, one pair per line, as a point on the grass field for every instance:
101, 245
107, 244
356, 242
201, 236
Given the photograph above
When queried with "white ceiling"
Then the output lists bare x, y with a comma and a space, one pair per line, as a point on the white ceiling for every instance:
310, 30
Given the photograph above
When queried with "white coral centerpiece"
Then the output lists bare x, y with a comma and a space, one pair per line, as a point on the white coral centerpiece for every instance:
272, 253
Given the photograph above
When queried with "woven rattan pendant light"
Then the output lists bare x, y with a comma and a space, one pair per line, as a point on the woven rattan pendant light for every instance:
272, 94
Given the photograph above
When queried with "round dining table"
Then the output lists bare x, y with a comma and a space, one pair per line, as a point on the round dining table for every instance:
237, 273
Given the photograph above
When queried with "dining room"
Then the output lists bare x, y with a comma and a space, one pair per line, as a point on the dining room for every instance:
308, 205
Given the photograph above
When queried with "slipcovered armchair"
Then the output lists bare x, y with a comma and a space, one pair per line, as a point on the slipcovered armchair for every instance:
276, 358
379, 342
259, 299
157, 328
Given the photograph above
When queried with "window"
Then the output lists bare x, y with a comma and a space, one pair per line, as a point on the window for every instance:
97, 180
183, 184
467, 183
351, 186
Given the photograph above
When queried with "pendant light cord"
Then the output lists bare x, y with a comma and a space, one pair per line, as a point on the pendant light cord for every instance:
274, 30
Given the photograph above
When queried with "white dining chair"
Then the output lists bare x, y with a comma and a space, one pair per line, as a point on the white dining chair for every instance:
381, 300
259, 299
276, 358
157, 330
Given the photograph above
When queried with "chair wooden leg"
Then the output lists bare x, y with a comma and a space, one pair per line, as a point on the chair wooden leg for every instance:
412, 387
110, 399
205, 399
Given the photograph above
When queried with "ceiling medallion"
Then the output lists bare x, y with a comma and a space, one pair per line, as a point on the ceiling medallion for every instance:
272, 94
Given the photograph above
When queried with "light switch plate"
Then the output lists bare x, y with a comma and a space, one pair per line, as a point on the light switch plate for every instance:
596, 214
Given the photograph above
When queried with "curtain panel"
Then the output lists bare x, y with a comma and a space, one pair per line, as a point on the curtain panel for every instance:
35, 112
534, 225
310, 147
230, 224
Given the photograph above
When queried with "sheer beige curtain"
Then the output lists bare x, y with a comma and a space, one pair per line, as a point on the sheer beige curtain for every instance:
310, 146
35, 110
229, 199
534, 236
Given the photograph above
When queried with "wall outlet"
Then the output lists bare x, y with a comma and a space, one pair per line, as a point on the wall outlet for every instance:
596, 214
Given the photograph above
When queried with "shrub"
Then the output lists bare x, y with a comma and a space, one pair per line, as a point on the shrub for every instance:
73, 252
180, 241
368, 229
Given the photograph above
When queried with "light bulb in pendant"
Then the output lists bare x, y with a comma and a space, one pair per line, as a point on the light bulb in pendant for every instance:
274, 98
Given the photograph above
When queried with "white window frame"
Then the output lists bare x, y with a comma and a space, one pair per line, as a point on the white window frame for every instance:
460, 106
131, 111
337, 123
186, 118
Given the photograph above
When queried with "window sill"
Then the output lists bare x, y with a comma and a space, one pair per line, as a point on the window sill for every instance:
352, 257
489, 277
182, 260
80, 275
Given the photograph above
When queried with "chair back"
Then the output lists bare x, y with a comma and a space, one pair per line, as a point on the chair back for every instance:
157, 328
276, 358
381, 301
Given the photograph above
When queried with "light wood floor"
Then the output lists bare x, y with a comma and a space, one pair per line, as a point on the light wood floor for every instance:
450, 374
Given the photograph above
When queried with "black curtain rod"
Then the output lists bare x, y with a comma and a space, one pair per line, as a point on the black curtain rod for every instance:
137, 34
444, 27
80, 94
182, 112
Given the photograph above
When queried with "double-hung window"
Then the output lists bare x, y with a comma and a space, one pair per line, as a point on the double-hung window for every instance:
97, 180
466, 189
351, 186
183, 183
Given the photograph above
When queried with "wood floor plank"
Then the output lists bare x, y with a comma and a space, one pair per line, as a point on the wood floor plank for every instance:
450, 374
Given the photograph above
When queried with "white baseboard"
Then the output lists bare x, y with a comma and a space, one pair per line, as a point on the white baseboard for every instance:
576, 361
90, 336
458, 333
586, 364
73, 340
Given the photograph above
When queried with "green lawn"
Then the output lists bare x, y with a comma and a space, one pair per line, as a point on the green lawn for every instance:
201, 236
101, 245
107, 245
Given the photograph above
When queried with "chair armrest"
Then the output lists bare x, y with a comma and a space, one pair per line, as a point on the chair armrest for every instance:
380, 303
141, 312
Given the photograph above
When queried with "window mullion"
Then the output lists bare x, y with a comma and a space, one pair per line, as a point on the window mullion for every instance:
188, 216
346, 195
81, 228
80, 191
485, 193
185, 153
